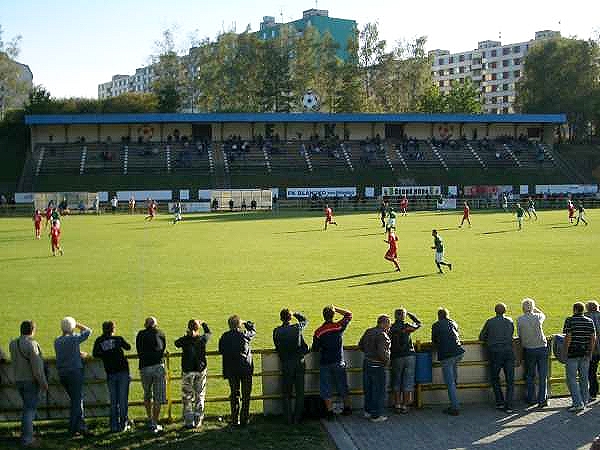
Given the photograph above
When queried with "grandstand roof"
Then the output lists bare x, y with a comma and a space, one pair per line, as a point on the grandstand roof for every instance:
83, 119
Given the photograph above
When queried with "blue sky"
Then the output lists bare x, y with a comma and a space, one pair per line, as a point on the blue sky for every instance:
72, 46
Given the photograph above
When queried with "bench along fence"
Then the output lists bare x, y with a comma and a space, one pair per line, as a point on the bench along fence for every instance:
473, 383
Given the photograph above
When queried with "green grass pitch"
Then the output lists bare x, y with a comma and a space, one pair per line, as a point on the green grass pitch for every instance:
213, 265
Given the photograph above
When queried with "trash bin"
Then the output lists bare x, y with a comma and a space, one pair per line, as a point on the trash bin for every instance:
423, 371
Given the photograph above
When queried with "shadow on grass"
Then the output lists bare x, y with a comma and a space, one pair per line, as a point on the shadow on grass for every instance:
394, 280
368, 234
299, 231
345, 277
24, 258
263, 432
441, 229
498, 232
563, 226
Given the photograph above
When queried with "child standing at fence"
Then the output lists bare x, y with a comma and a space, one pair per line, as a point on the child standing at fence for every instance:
193, 368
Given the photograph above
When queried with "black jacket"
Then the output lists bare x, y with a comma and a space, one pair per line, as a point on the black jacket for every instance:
289, 341
234, 345
193, 358
150, 344
110, 350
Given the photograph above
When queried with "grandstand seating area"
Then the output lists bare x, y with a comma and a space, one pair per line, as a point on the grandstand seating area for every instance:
219, 164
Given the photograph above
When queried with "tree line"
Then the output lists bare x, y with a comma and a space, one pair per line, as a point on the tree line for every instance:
243, 73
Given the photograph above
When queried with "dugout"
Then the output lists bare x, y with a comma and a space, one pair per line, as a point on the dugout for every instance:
262, 197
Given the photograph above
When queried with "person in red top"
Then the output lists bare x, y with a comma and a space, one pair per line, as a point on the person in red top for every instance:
37, 223
328, 217
571, 208
151, 210
404, 206
48, 215
391, 254
466, 215
55, 239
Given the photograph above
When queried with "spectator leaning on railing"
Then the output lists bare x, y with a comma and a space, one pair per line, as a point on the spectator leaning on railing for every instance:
446, 340
69, 363
150, 344
593, 313
238, 366
497, 334
30, 376
375, 344
327, 340
193, 369
109, 348
580, 340
291, 348
403, 358
535, 352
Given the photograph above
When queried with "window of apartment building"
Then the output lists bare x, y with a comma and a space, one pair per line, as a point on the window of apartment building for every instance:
440, 73
493, 65
505, 75
493, 100
461, 80
451, 60
461, 69
494, 53
483, 54
505, 62
441, 62
517, 73
516, 49
505, 99
506, 51
505, 110
470, 56
461, 58
494, 87
494, 110
505, 87
451, 71
517, 61
493, 76
441, 83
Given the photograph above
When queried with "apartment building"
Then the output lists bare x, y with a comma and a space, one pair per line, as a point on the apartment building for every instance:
494, 68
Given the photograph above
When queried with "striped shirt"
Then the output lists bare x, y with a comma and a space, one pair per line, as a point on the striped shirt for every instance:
580, 329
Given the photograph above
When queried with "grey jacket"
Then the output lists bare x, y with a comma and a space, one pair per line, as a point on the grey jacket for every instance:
27, 361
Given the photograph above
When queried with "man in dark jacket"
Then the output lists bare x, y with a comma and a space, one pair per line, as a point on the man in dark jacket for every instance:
109, 348
446, 340
375, 344
291, 349
151, 344
328, 341
497, 334
193, 369
238, 367
404, 359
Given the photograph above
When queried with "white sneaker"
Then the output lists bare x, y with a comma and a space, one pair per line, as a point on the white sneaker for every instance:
157, 428
366, 415
378, 419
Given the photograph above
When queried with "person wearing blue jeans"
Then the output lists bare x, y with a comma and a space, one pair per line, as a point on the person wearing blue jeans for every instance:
109, 348
446, 340
536, 360
376, 345
69, 364
580, 341
535, 351
579, 389
30, 377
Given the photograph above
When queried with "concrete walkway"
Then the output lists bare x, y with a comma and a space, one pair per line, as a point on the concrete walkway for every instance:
478, 427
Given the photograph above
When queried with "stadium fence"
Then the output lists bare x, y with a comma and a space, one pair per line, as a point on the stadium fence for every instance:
473, 386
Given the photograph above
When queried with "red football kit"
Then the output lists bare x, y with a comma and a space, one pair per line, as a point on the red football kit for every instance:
392, 251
